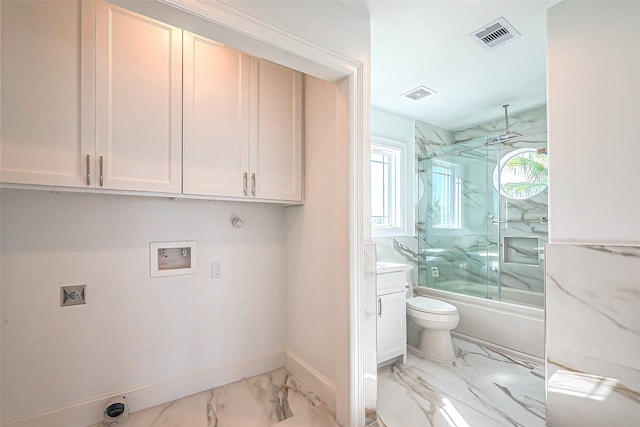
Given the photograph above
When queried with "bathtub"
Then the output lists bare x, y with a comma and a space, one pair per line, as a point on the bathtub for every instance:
510, 295
513, 327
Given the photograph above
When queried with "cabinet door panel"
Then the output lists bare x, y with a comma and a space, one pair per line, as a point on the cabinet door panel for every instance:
216, 118
47, 91
276, 135
392, 335
139, 101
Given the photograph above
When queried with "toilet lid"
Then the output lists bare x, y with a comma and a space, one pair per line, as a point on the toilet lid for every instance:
430, 305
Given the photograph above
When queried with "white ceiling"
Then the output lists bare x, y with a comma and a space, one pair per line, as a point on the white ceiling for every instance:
416, 43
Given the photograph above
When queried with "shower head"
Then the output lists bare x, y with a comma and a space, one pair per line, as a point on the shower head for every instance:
507, 134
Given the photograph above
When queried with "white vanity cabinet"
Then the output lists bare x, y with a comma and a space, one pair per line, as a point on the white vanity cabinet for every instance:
138, 102
47, 92
391, 315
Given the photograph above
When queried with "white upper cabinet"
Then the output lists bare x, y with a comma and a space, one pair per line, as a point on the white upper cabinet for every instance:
216, 119
276, 132
242, 124
139, 102
47, 92
97, 96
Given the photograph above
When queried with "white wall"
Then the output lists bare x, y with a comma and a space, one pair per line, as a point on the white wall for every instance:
393, 126
332, 24
134, 331
317, 240
593, 105
401, 129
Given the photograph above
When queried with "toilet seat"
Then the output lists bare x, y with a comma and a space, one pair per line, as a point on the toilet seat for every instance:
431, 305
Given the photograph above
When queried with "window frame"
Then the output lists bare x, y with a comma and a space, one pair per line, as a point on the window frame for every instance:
455, 195
401, 206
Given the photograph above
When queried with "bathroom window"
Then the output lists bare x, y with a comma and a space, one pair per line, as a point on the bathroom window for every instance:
389, 176
522, 173
446, 196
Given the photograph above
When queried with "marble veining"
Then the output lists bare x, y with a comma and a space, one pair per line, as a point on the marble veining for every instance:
593, 334
466, 258
482, 387
271, 399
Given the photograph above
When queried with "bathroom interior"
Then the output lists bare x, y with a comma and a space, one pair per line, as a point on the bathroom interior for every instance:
467, 246
483, 305
469, 251
476, 261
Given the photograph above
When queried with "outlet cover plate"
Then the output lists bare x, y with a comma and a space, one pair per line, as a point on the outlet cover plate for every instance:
73, 295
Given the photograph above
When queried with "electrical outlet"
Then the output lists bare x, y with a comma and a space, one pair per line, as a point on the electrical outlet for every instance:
216, 269
435, 272
73, 295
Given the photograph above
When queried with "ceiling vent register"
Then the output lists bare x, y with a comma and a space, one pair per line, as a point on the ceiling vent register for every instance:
419, 93
495, 34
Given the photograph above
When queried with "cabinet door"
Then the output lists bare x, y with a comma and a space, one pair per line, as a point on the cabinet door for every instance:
276, 134
139, 101
216, 119
47, 92
392, 331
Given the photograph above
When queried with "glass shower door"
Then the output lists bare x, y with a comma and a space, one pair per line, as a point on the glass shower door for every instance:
455, 200
523, 227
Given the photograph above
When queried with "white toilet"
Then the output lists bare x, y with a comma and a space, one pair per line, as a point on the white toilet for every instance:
434, 319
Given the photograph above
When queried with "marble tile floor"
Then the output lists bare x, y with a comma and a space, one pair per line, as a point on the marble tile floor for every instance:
481, 388
271, 399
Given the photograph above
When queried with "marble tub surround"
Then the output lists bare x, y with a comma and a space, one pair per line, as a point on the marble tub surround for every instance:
473, 253
481, 388
271, 399
593, 335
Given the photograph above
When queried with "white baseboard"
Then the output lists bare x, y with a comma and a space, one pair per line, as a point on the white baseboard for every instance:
313, 380
88, 412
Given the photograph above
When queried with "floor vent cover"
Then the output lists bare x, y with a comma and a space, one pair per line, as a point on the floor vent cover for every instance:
495, 34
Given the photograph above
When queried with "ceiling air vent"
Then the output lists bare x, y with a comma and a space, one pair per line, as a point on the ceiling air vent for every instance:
495, 34
419, 93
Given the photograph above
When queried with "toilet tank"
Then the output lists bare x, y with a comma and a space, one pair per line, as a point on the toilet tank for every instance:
391, 277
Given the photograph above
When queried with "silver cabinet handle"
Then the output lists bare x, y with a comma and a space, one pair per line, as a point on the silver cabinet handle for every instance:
253, 184
101, 171
88, 169
244, 184
379, 307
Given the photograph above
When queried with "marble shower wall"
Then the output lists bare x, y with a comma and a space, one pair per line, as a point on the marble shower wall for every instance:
472, 255
593, 335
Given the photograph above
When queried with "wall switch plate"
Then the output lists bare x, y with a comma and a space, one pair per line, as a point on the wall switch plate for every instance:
435, 272
73, 295
216, 269
173, 258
